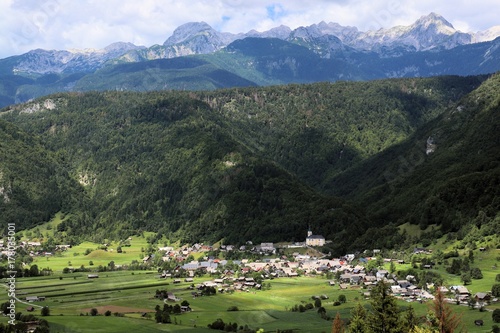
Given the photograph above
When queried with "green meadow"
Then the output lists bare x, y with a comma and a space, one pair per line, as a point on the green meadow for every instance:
132, 294
75, 256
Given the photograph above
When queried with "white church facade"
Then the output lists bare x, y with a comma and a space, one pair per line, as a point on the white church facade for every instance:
314, 240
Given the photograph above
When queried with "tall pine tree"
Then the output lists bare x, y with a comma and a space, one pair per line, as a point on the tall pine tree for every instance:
410, 319
358, 320
384, 316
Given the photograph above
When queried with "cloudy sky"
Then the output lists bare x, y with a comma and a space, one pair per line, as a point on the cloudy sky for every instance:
79, 24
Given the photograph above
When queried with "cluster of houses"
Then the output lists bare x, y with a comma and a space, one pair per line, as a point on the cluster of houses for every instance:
33, 248
349, 276
169, 253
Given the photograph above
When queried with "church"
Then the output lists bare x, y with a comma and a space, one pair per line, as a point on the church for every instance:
314, 240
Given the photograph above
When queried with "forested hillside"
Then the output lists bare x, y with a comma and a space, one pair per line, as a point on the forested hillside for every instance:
317, 131
455, 184
33, 186
263, 164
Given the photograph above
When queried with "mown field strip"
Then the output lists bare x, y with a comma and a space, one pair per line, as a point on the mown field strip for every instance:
52, 285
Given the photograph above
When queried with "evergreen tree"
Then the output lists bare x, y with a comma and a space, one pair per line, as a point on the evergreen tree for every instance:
384, 316
411, 319
358, 320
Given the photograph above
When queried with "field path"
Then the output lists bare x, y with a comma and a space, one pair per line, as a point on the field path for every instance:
24, 302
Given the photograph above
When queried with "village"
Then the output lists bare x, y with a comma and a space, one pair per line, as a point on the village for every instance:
347, 272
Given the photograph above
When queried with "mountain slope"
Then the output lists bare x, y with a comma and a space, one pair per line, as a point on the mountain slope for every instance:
167, 162
448, 173
33, 185
264, 164
184, 73
322, 129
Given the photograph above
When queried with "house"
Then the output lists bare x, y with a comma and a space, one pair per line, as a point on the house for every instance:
356, 279
314, 240
482, 297
35, 298
30, 309
92, 276
267, 247
397, 290
381, 274
461, 292
478, 322
443, 289
369, 280
404, 283
345, 278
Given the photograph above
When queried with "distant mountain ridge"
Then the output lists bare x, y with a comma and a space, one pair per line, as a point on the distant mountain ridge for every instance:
428, 32
69, 61
320, 52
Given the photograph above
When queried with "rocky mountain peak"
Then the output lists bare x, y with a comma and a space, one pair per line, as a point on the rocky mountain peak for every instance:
434, 22
188, 30
121, 47
281, 32
433, 18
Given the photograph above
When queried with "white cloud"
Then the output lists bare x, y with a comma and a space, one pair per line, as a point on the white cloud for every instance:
61, 24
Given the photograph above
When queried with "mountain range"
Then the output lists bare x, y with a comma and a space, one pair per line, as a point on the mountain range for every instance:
197, 57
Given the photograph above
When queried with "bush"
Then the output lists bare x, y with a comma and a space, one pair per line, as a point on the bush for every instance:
496, 316
107, 313
317, 303
45, 311
476, 273
93, 312
336, 303
233, 308
495, 290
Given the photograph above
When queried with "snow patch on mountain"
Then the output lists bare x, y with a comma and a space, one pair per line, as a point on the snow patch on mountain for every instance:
487, 35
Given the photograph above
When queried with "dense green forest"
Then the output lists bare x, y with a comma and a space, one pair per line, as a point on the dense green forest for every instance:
260, 164
32, 185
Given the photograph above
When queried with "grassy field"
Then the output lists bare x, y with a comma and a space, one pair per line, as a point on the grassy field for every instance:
132, 293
